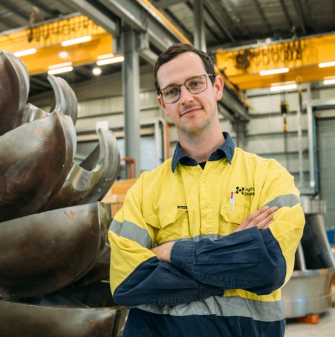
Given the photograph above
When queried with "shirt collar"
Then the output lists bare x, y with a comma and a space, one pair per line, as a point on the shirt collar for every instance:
225, 150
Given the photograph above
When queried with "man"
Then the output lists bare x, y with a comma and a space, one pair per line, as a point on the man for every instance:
204, 242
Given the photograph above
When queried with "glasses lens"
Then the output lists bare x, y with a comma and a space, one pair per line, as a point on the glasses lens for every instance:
196, 84
170, 94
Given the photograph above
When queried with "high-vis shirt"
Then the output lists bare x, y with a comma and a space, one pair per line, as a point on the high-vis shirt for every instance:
219, 283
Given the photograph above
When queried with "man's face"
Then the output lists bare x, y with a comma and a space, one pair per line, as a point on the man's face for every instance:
192, 112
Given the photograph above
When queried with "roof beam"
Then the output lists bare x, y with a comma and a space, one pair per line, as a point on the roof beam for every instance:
220, 23
9, 7
41, 6
163, 4
283, 6
97, 16
264, 19
298, 10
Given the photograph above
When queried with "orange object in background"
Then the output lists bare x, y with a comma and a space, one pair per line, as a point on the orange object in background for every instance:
309, 319
117, 194
131, 166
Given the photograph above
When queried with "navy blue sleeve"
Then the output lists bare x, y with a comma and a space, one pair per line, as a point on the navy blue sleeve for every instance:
156, 282
250, 259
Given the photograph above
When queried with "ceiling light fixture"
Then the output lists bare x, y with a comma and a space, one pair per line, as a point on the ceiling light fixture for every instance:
25, 52
109, 61
75, 41
96, 71
274, 71
327, 82
326, 64
60, 65
60, 70
283, 87
106, 56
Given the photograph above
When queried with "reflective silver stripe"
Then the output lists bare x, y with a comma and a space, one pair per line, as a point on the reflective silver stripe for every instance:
288, 200
131, 231
224, 306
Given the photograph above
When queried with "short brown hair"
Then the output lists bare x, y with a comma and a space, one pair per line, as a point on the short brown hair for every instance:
177, 49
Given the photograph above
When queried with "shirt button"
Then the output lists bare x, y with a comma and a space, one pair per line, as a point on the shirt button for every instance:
206, 205
204, 181
207, 232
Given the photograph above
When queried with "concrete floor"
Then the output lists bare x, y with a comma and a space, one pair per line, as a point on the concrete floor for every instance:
325, 328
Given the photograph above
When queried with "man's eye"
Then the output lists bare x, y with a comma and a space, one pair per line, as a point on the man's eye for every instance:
171, 92
194, 84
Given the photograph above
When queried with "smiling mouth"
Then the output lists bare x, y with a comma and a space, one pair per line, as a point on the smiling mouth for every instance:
190, 110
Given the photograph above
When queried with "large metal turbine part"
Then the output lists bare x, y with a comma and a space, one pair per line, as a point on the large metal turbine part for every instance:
44, 252
90, 183
14, 89
35, 161
65, 101
75, 312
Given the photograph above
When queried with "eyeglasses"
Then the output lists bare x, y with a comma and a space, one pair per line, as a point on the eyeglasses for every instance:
195, 85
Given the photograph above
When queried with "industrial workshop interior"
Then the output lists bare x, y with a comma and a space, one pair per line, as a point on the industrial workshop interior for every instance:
83, 123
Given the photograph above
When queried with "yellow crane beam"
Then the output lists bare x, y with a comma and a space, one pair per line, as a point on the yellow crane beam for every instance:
47, 40
302, 57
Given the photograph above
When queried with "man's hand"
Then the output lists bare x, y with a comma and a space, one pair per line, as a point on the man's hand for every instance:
262, 218
163, 252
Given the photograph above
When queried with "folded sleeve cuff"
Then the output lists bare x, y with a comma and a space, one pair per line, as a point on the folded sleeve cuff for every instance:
182, 256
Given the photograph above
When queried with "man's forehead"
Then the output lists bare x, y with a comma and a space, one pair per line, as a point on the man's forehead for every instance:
180, 68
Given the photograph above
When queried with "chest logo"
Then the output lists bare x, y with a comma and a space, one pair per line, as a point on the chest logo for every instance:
245, 191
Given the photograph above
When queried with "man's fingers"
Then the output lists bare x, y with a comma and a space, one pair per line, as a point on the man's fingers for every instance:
263, 216
265, 222
268, 224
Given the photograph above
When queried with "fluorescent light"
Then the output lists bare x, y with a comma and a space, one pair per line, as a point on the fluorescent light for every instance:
283, 87
112, 60
326, 64
329, 82
274, 71
60, 65
106, 56
96, 71
60, 70
25, 52
78, 40
63, 55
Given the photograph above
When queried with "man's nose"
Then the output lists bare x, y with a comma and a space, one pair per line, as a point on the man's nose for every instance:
185, 95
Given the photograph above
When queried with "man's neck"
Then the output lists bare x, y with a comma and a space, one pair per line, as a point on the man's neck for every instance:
202, 145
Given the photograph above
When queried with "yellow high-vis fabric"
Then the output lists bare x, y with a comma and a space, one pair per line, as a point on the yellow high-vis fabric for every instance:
214, 272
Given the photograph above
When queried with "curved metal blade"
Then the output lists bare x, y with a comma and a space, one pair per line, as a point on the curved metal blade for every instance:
44, 252
83, 186
32, 113
14, 79
21, 319
35, 161
65, 99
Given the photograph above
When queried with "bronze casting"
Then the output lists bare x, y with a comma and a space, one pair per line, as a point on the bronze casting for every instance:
44, 252
35, 161
90, 183
14, 79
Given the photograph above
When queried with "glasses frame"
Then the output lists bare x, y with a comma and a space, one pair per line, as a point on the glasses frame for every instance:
184, 84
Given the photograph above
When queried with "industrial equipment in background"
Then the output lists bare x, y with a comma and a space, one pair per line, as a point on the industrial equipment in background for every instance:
54, 264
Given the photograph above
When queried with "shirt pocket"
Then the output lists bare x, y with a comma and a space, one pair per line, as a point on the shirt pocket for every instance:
232, 219
173, 221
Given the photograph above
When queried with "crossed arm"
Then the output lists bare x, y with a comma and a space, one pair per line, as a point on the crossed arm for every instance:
261, 219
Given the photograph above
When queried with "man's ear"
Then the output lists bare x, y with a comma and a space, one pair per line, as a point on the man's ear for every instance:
162, 104
218, 87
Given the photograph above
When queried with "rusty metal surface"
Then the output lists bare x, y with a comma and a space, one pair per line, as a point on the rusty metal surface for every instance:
82, 186
65, 101
35, 161
14, 80
45, 252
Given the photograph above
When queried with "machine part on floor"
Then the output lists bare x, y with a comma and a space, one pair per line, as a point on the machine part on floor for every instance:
44, 252
35, 161
14, 82
83, 186
309, 291
65, 101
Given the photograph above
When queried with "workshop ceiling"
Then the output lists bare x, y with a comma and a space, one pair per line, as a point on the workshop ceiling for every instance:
228, 23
